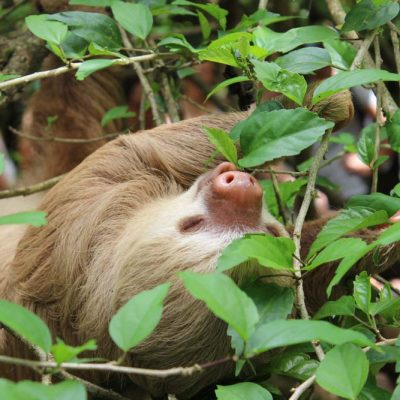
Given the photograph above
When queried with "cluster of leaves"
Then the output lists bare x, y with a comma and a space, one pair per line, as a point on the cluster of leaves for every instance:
256, 314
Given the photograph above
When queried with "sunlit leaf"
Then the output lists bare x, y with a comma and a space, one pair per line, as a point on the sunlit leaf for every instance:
242, 391
116, 113
34, 218
223, 143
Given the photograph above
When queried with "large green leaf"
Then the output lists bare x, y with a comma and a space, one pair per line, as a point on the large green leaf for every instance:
92, 27
334, 251
280, 80
347, 221
369, 14
269, 251
27, 390
341, 52
92, 3
224, 299
34, 218
284, 42
137, 319
51, 31
243, 391
284, 333
343, 306
223, 143
266, 136
376, 201
25, 324
304, 61
344, 371
347, 79
135, 18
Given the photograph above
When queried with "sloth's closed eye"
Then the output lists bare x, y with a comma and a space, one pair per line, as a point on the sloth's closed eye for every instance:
191, 224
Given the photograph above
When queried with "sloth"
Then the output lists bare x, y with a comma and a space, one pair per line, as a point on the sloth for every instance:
129, 217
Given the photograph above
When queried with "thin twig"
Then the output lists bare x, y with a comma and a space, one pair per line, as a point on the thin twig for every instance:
98, 391
303, 388
331, 160
359, 58
111, 367
27, 190
297, 231
57, 139
70, 67
280, 172
278, 196
143, 80
394, 34
196, 104
379, 121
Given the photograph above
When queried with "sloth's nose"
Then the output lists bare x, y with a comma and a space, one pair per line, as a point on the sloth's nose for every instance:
238, 188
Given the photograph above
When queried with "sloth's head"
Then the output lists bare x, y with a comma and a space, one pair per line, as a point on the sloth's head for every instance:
189, 230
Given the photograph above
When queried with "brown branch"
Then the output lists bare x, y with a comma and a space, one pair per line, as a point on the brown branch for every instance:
394, 35
143, 79
358, 59
111, 367
385, 281
27, 190
57, 139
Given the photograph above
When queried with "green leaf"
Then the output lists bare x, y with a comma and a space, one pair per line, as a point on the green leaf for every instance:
344, 371
226, 83
267, 106
285, 333
334, 251
359, 250
366, 144
93, 27
342, 53
369, 14
343, 306
25, 324
284, 42
389, 235
362, 292
280, 80
376, 201
34, 218
242, 391
92, 3
346, 139
116, 113
27, 390
269, 251
347, 221
393, 131
7, 77
224, 299
213, 9
204, 25
304, 61
223, 143
266, 136
88, 67
177, 42
74, 46
347, 79
63, 352
135, 18
138, 318
387, 308
273, 302
51, 31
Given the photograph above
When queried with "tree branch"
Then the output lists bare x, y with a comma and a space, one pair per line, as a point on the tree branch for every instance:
27, 190
70, 67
